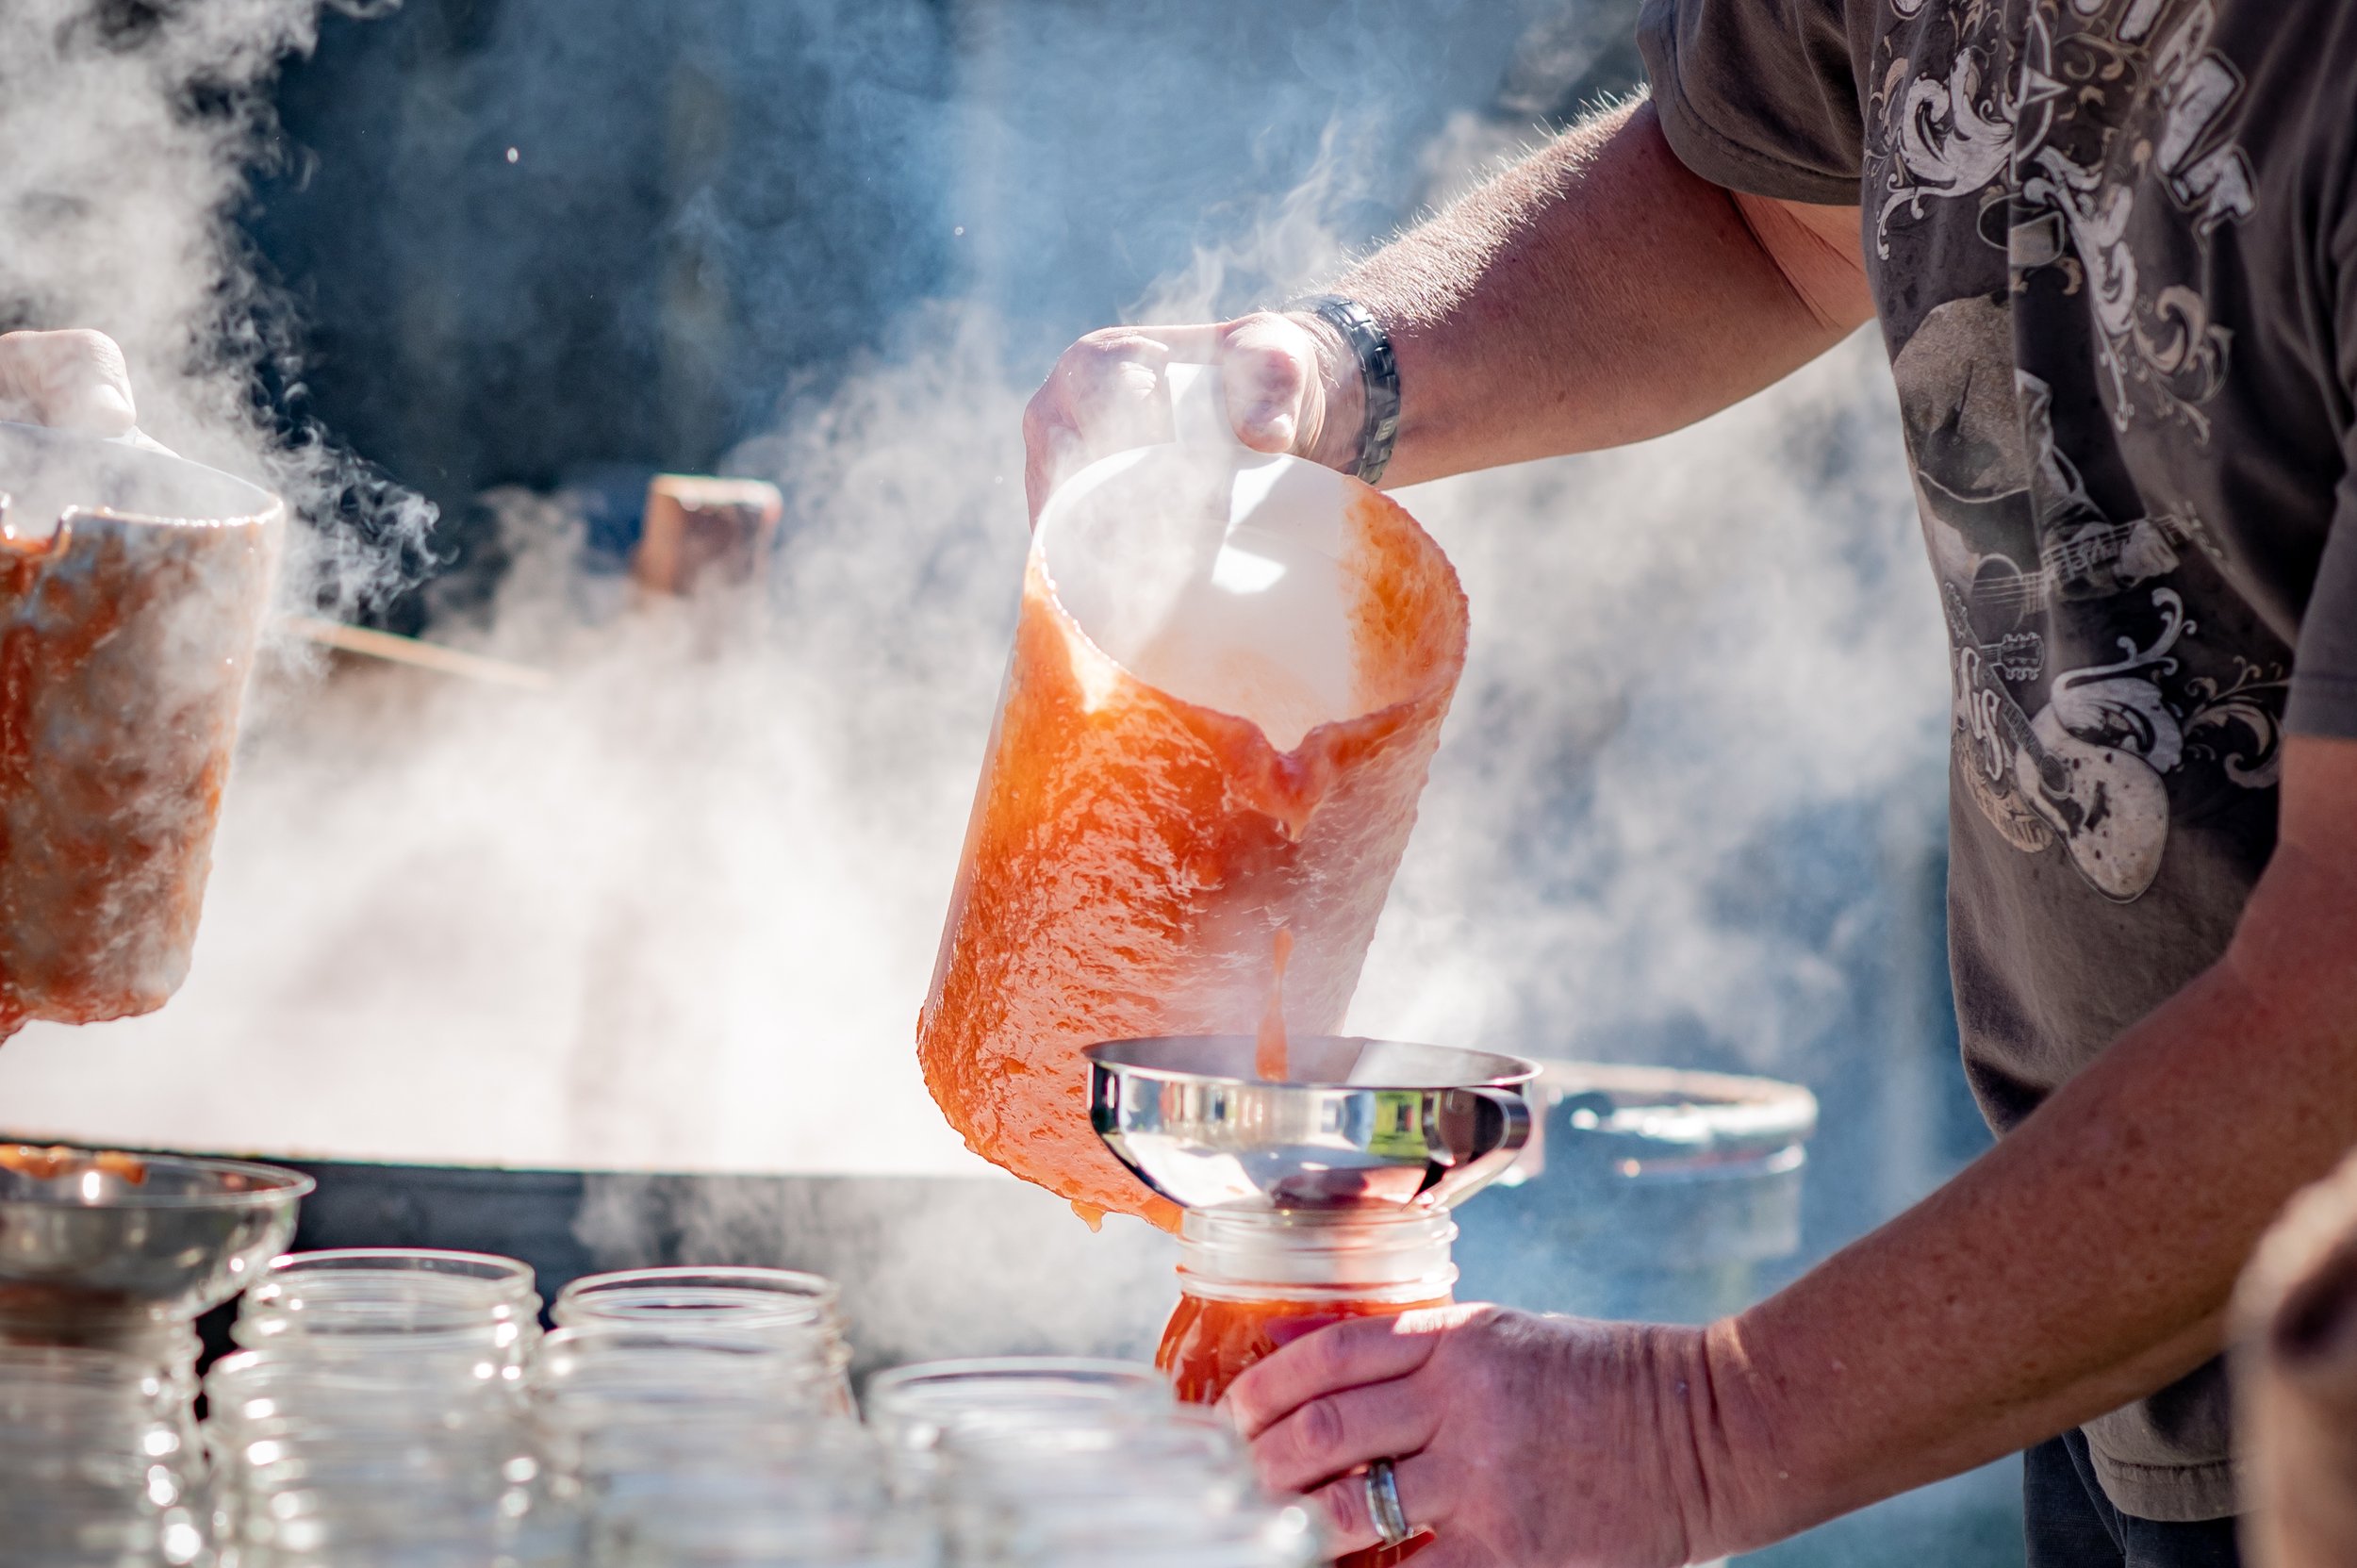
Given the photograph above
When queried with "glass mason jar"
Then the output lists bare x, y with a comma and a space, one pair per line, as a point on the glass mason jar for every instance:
1012, 1491
914, 1407
673, 1445
723, 1496
597, 1378
1240, 1272
1268, 1535
379, 1458
799, 1313
368, 1300
98, 1466
917, 1409
378, 1414
739, 1298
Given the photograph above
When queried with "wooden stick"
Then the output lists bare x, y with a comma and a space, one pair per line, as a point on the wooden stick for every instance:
416, 655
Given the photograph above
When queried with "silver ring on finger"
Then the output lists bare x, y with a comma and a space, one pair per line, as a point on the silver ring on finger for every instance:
1383, 1505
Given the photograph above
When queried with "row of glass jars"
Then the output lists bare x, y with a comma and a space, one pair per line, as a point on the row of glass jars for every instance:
397, 1408
400, 1409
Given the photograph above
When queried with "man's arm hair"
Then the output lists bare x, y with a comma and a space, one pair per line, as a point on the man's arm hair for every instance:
1598, 292
2088, 1259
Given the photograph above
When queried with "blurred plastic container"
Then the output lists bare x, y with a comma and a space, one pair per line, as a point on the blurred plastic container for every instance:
1646, 1192
135, 588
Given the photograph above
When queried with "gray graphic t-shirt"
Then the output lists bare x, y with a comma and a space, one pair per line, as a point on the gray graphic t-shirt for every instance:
2114, 249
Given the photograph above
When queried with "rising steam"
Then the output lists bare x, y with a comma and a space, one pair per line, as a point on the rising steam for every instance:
680, 912
132, 127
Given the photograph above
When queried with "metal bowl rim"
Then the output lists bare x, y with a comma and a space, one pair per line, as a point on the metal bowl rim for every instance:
1105, 1055
279, 1185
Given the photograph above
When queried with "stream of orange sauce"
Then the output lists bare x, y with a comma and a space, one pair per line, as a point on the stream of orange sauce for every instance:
1269, 1055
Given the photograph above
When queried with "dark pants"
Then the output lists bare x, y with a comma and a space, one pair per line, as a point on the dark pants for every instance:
2071, 1522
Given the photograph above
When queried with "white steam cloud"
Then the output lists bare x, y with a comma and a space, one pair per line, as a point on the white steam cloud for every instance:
1681, 653
131, 127
679, 911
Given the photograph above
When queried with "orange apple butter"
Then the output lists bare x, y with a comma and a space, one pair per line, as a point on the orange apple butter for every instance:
48, 1164
1209, 1342
1242, 1274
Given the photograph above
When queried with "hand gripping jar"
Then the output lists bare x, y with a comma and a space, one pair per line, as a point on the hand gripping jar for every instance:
1243, 1271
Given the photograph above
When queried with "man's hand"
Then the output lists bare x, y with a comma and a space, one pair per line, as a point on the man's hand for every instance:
1517, 1439
1290, 383
75, 380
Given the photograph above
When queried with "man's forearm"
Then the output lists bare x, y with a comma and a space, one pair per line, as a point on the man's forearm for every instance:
1595, 294
2083, 1262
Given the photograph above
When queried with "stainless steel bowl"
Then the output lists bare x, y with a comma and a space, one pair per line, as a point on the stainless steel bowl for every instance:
1361, 1121
95, 1245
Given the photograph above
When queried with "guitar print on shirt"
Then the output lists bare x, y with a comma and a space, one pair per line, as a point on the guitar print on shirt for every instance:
2082, 690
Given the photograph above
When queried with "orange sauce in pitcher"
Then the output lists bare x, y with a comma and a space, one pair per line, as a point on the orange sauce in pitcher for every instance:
1123, 838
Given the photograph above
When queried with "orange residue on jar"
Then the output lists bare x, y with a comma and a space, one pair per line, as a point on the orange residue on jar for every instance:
47, 1165
1209, 1342
1268, 1056
1127, 848
132, 640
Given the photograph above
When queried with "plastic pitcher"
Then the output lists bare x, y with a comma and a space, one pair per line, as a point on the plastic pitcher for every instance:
132, 589
1228, 678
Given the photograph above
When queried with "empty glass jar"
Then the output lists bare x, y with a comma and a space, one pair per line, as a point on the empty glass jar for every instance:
1041, 1462
97, 1464
913, 1408
814, 1496
377, 1416
407, 1301
710, 1447
799, 1314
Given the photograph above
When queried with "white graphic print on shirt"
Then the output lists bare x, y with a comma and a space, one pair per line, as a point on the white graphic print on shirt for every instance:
2036, 127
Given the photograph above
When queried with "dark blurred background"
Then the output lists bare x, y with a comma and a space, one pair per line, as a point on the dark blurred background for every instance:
523, 237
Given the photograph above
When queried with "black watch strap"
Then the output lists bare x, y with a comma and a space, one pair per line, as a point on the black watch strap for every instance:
1378, 377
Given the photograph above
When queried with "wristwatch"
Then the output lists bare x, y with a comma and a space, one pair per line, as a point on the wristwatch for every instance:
1378, 377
